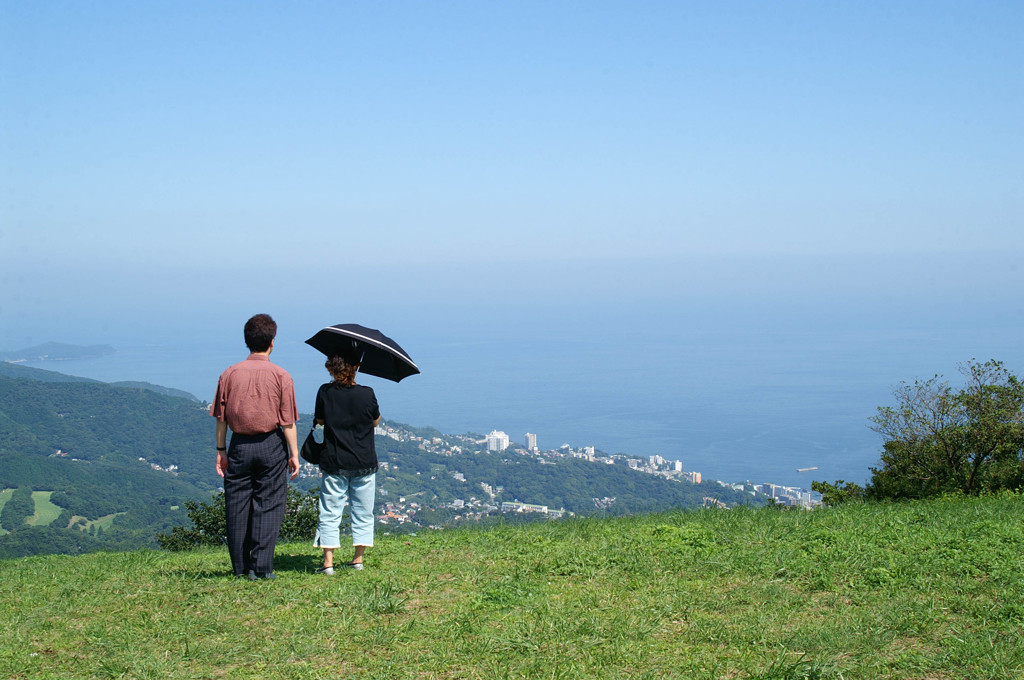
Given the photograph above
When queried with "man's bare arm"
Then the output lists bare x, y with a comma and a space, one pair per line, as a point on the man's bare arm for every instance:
293, 449
222, 454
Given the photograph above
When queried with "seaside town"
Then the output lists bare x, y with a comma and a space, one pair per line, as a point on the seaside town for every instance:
481, 501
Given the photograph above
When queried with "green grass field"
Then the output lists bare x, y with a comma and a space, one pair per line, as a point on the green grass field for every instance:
919, 591
100, 522
46, 511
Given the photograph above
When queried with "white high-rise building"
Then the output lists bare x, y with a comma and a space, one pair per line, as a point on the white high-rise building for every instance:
497, 441
531, 441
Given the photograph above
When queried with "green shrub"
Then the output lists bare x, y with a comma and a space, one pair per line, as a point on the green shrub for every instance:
209, 526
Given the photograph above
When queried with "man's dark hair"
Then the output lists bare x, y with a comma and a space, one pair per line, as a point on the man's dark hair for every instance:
259, 333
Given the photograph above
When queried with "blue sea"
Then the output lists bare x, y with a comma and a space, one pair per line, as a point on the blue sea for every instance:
735, 399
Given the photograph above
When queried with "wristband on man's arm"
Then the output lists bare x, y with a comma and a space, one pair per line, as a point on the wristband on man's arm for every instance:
222, 448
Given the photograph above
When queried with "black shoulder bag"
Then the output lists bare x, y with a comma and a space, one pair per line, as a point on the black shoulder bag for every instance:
311, 450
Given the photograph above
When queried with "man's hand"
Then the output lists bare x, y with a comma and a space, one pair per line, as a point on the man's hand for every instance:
222, 463
291, 439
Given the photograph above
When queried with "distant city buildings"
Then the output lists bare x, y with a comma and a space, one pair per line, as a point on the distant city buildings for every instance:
515, 506
491, 491
782, 495
658, 465
497, 441
173, 469
469, 508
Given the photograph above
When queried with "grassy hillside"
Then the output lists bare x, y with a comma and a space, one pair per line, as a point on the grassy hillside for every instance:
922, 590
45, 511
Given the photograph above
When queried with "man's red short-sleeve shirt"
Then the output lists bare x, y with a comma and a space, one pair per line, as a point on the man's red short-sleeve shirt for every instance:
255, 396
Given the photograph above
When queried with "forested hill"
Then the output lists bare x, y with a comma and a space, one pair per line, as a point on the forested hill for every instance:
105, 466
93, 421
11, 370
15, 371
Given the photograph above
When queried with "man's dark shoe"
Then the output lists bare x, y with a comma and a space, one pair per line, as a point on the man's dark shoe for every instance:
264, 577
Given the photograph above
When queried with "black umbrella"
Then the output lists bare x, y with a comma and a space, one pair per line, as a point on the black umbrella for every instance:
378, 354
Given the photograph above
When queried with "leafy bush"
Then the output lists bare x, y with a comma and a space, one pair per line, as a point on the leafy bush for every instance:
301, 515
943, 441
838, 492
209, 526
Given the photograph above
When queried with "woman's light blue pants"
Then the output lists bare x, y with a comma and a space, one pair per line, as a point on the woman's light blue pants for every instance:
335, 492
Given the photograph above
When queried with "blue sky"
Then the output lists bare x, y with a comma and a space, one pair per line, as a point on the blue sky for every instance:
212, 158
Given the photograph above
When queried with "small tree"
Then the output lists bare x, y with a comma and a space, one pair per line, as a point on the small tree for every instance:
209, 525
839, 492
301, 516
941, 441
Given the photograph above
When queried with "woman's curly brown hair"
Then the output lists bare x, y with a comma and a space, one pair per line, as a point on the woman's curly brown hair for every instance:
343, 372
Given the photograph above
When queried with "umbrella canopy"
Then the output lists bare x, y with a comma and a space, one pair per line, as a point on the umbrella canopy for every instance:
380, 355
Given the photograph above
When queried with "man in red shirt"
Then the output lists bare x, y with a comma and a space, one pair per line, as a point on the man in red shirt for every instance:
256, 400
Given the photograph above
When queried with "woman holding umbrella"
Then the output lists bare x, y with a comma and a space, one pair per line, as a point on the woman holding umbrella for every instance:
349, 413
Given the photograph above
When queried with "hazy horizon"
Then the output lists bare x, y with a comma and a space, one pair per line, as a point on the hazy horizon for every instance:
749, 390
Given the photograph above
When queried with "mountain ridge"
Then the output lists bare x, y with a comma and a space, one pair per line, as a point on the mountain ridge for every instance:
12, 369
